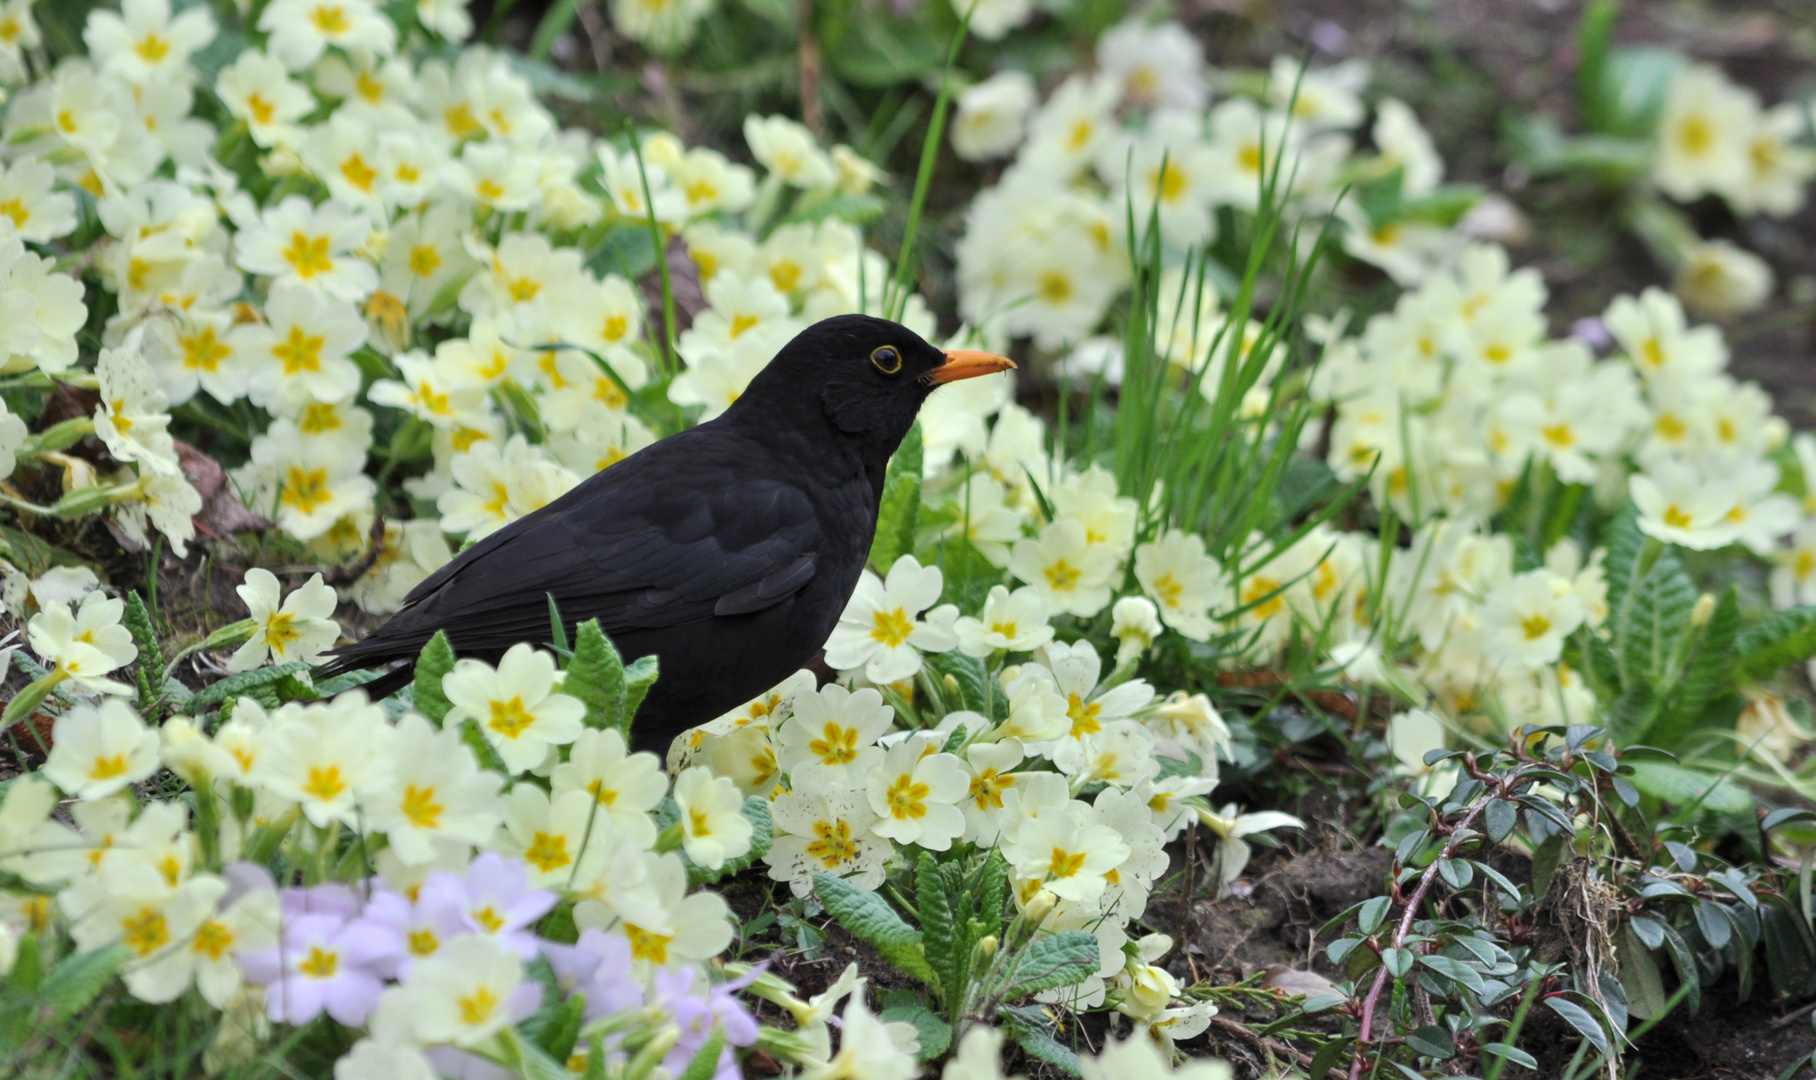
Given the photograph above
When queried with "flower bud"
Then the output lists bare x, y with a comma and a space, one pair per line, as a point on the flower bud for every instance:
1705, 607
1041, 906
986, 947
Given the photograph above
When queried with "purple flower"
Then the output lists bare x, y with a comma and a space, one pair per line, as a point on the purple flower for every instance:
324, 961
599, 967
337, 900
494, 899
697, 1017
421, 929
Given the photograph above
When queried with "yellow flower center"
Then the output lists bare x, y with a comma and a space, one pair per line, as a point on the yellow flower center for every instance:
510, 718
1084, 716
212, 939
834, 845
908, 799
1535, 627
146, 932
420, 808
1168, 590
262, 111
320, 963
476, 1008
647, 944
203, 350
308, 255
547, 853
298, 351
987, 789
106, 768
324, 784
1062, 576
698, 823
358, 173
836, 746
1055, 287
423, 942
15, 209
305, 489
892, 628
1065, 864
330, 19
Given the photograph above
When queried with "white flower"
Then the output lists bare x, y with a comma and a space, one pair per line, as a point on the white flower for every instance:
1702, 134
626, 786
913, 794
256, 89
713, 825
1182, 580
1137, 1058
143, 43
1231, 827
991, 116
301, 629
1015, 622
209, 954
829, 741
467, 992
788, 151
131, 417
40, 311
1135, 623
84, 645
515, 705
322, 756
1720, 280
663, 25
828, 833
883, 630
97, 751
301, 29
310, 246
434, 793
1068, 851
1528, 618
1158, 66
37, 213
1679, 506
1065, 568
866, 1050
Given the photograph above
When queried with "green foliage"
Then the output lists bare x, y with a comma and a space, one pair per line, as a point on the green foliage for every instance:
1775, 643
899, 513
436, 660
595, 675
869, 918
261, 684
148, 667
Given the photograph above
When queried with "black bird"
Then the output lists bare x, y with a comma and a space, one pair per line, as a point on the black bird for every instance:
728, 550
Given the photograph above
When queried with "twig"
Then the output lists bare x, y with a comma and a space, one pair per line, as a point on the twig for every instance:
1267, 1046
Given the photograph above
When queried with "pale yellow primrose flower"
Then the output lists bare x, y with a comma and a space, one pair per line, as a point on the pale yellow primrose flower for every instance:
87, 644
97, 751
301, 629
515, 705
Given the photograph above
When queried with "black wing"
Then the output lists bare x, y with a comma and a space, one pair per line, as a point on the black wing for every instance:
659, 539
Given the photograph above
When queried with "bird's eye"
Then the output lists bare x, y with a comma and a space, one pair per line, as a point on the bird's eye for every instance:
887, 359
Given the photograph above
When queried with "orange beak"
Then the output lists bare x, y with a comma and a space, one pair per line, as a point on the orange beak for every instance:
967, 364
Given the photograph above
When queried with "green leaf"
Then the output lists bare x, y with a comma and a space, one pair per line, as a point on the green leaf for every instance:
1431, 1041
74, 984
246, 683
150, 662
1624, 543
1054, 960
1455, 970
595, 675
1594, 33
1659, 615
1578, 1017
1782, 639
935, 1034
1033, 1032
1499, 818
705, 1063
483, 750
896, 519
762, 835
856, 209
992, 892
1639, 976
1707, 673
639, 676
436, 660
557, 629
1373, 913
868, 917
968, 672
940, 934
1680, 785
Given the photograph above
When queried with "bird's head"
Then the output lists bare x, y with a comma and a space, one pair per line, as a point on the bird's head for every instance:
864, 375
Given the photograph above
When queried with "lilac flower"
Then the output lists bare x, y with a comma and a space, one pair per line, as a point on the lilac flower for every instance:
422, 929
598, 966
697, 1017
324, 961
493, 899
339, 901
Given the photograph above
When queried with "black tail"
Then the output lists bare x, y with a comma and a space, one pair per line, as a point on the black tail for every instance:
388, 683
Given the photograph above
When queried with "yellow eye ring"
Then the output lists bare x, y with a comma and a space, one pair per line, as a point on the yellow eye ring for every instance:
887, 358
